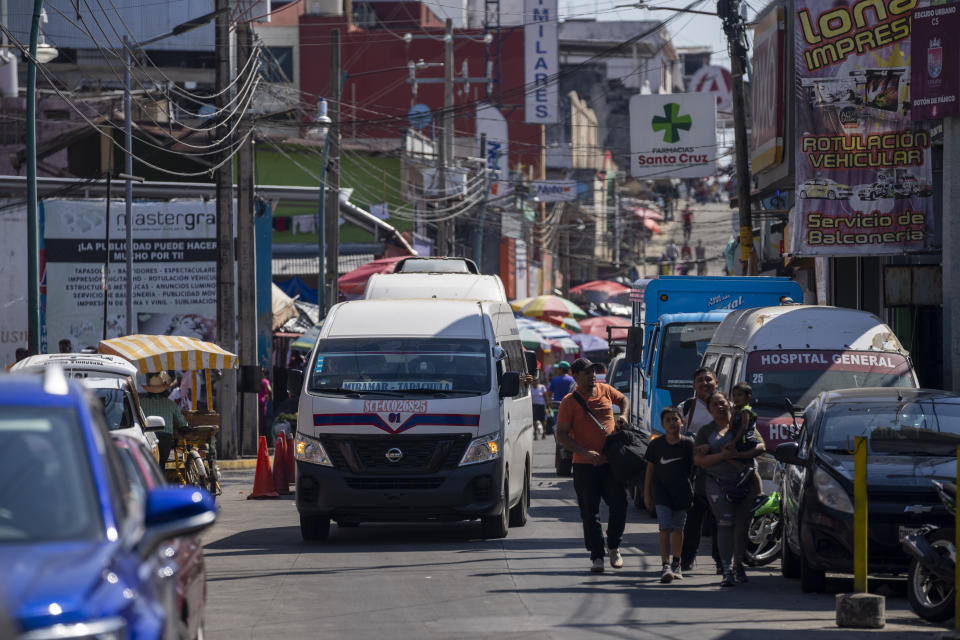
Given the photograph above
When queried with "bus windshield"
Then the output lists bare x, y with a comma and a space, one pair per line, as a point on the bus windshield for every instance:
801, 374
401, 365
681, 351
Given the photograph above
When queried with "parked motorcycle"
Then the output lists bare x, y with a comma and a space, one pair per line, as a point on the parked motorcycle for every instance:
931, 576
765, 531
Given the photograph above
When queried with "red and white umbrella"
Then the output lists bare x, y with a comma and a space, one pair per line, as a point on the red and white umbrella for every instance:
646, 214
598, 326
354, 282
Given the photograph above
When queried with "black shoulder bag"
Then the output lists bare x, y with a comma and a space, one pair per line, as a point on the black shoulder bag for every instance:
625, 449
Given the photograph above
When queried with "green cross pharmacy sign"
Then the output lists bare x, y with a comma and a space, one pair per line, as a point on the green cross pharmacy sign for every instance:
673, 135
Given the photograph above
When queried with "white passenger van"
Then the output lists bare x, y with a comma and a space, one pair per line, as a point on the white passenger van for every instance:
464, 286
113, 380
414, 410
796, 351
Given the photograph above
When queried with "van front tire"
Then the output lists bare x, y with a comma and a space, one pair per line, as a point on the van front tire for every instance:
314, 528
495, 526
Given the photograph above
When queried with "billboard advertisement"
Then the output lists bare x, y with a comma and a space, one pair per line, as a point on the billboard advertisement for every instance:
174, 282
766, 139
935, 65
673, 135
541, 61
864, 181
492, 124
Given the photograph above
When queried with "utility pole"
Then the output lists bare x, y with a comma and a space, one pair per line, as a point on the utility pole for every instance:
331, 219
733, 27
128, 185
617, 230
33, 220
445, 228
246, 261
226, 260
546, 278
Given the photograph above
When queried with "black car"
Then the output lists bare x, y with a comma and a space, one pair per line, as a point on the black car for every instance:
912, 437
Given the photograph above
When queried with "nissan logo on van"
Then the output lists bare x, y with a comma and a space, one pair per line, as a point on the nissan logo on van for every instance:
394, 455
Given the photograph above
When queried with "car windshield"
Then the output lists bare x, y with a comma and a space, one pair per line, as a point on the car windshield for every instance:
621, 377
401, 365
681, 352
46, 486
923, 427
434, 266
115, 408
801, 374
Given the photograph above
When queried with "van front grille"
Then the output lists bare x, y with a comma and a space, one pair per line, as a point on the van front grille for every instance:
395, 453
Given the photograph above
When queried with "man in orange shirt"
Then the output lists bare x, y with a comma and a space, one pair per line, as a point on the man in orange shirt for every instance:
584, 432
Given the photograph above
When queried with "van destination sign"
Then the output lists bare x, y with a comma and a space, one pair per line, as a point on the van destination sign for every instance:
822, 360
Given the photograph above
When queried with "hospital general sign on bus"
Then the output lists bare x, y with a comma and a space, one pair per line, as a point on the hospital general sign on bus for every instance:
541, 61
673, 135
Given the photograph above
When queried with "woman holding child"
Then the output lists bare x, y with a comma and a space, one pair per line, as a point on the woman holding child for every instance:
725, 448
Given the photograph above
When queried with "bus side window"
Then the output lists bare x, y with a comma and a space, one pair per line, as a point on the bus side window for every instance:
723, 373
710, 360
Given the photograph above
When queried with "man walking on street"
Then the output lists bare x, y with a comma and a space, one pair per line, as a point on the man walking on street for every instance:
701, 254
687, 225
695, 415
584, 421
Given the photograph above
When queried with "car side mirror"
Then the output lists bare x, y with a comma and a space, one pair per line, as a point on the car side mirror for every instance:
634, 353
172, 512
509, 384
789, 453
155, 423
531, 358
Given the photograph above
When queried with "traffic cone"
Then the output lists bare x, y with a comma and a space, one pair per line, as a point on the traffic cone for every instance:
291, 463
263, 481
280, 481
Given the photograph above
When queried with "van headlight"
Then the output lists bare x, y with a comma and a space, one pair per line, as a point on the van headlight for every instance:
306, 449
830, 492
482, 450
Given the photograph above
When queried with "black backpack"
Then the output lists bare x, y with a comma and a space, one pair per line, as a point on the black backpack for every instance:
625, 449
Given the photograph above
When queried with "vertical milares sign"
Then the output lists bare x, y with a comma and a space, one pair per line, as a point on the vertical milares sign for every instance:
541, 61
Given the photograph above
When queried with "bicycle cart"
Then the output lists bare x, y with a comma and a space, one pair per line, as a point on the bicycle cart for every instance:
193, 460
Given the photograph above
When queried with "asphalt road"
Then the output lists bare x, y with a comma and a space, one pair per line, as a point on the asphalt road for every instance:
443, 581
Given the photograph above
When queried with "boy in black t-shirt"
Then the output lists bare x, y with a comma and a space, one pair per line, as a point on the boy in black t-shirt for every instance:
667, 486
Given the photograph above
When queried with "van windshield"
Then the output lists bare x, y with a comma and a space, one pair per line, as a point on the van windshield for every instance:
401, 365
681, 352
801, 374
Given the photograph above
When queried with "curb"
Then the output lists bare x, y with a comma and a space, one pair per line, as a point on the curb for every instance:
241, 463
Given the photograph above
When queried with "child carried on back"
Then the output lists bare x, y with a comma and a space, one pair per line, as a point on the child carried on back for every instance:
747, 438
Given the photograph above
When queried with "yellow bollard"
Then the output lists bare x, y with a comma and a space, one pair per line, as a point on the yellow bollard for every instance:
956, 543
860, 515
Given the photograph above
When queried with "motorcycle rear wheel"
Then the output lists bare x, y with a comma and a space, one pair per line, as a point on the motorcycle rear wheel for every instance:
764, 537
930, 596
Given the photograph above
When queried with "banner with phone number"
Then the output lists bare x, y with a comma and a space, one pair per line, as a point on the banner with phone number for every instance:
864, 183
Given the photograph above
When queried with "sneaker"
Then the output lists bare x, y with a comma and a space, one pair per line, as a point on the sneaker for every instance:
676, 571
597, 566
728, 579
616, 560
666, 575
719, 569
740, 574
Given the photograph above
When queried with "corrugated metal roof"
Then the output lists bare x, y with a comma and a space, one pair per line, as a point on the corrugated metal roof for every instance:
309, 266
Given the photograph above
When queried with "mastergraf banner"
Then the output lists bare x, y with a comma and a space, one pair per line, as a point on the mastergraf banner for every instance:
863, 171
673, 135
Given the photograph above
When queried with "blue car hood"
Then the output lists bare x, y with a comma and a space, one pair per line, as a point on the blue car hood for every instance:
897, 472
71, 574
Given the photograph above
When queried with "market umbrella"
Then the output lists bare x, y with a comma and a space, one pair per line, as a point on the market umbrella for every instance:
551, 337
520, 303
570, 324
599, 290
157, 353
552, 306
651, 225
646, 214
354, 282
598, 326
590, 342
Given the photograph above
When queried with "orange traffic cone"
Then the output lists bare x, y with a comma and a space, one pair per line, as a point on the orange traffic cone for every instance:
263, 481
280, 481
291, 463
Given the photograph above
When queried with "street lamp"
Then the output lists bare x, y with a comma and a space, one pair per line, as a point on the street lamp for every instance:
321, 125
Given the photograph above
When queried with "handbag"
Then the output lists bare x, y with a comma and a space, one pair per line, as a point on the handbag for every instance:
733, 489
625, 449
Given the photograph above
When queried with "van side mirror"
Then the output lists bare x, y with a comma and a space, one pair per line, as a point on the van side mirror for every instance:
634, 352
531, 358
155, 423
789, 453
509, 384
294, 382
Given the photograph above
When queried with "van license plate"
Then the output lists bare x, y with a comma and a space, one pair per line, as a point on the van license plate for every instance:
903, 532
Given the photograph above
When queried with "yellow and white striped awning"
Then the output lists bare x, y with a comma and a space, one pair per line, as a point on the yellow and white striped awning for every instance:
158, 353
